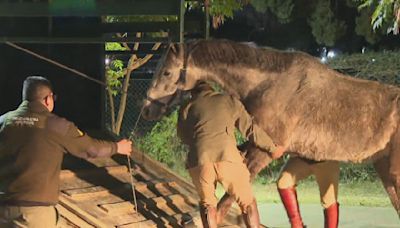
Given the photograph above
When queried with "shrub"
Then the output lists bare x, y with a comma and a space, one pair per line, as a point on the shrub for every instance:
162, 144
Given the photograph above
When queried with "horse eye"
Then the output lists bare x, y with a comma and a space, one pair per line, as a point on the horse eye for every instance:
167, 73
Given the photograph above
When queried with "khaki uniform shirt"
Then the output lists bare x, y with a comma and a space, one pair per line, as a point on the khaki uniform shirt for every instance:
207, 125
32, 144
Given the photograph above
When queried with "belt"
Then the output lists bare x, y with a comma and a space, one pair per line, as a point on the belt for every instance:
23, 203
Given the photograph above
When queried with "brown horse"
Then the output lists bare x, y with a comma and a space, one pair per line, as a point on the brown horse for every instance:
314, 111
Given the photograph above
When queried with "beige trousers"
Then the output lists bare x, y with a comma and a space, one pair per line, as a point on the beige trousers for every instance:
326, 174
234, 178
28, 217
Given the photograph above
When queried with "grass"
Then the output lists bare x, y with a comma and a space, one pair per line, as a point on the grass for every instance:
366, 193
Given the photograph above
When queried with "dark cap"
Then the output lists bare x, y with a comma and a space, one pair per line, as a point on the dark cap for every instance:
201, 86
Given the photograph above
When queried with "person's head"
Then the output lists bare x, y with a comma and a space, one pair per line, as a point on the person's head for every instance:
201, 86
38, 88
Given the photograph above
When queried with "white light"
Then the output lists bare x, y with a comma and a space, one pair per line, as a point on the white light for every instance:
107, 61
331, 54
373, 60
324, 59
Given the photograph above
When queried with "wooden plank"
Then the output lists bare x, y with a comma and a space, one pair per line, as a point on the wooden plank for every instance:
137, 26
152, 190
70, 217
118, 208
81, 213
85, 193
112, 170
78, 28
119, 219
185, 186
80, 40
62, 8
147, 223
131, 52
181, 20
148, 189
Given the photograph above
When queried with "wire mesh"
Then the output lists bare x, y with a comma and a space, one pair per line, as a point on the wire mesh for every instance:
136, 94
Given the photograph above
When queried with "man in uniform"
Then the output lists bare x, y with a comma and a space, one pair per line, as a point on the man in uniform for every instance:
207, 125
32, 145
327, 176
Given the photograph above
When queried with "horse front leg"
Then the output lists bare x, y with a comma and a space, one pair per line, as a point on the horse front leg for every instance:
382, 168
256, 160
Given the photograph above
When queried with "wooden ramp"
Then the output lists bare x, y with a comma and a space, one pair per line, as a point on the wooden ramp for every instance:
98, 194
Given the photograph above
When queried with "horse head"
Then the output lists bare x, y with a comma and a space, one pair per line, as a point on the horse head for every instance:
169, 83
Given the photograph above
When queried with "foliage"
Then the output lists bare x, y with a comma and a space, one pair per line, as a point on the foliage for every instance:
363, 27
163, 144
357, 172
115, 69
219, 9
385, 12
117, 74
325, 27
282, 9
378, 66
356, 193
224, 7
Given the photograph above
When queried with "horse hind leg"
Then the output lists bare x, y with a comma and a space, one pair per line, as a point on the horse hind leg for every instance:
382, 168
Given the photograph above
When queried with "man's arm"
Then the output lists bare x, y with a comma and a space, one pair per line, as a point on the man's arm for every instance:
252, 131
81, 145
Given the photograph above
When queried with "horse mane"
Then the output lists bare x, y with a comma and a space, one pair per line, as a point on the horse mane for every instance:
212, 53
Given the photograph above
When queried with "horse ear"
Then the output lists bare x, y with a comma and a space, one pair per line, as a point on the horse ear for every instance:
173, 48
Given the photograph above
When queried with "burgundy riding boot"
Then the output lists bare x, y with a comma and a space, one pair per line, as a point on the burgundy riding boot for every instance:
331, 215
251, 217
224, 205
289, 200
208, 216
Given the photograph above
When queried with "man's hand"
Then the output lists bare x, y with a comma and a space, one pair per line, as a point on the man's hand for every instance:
280, 150
256, 160
124, 147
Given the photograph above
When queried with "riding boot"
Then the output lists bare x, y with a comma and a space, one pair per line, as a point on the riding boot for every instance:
331, 215
289, 200
208, 216
251, 217
223, 207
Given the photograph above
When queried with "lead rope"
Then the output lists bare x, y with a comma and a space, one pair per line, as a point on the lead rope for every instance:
56, 63
91, 79
130, 166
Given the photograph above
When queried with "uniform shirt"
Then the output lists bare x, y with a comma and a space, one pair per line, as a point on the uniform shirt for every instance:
207, 125
32, 144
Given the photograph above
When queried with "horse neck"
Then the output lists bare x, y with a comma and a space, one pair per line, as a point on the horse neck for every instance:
237, 82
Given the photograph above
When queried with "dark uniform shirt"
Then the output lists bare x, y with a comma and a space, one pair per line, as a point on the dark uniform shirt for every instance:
207, 125
32, 145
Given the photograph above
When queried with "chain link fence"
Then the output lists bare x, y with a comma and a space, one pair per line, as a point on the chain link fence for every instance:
132, 120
